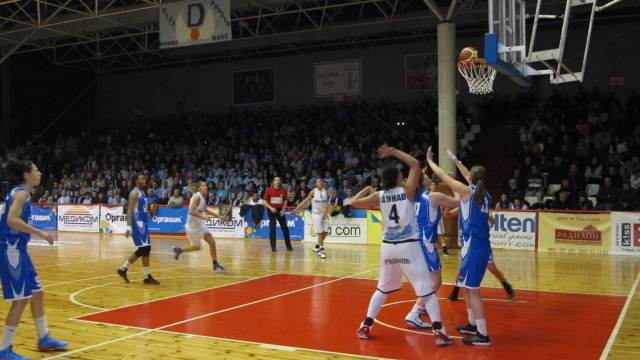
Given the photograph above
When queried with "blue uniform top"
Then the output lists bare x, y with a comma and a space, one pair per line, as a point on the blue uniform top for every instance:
140, 209
474, 220
8, 235
428, 216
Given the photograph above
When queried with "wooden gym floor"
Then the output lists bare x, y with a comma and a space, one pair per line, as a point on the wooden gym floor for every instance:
294, 305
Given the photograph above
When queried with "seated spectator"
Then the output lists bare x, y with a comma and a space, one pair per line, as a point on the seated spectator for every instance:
535, 183
176, 200
212, 199
359, 184
234, 200
261, 187
94, 197
512, 190
189, 188
575, 176
519, 204
187, 199
236, 187
627, 198
504, 202
121, 201
75, 197
607, 196
164, 199
593, 172
634, 180
334, 205
342, 189
46, 198
246, 198
151, 197
101, 199
616, 179
222, 193
562, 202
64, 198
567, 187
87, 198
583, 202
291, 194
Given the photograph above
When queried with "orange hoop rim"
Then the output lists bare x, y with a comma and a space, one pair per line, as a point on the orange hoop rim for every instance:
479, 62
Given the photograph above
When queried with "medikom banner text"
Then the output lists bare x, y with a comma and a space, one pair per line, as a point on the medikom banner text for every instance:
78, 218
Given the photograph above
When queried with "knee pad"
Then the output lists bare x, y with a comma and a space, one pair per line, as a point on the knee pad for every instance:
143, 251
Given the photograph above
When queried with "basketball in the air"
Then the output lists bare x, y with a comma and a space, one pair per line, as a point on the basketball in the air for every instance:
468, 53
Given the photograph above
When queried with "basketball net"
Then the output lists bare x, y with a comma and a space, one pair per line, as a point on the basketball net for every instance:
479, 75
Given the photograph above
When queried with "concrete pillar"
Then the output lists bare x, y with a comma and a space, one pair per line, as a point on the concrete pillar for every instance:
447, 72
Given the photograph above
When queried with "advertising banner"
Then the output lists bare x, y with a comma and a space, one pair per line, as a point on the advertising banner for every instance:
295, 223
374, 227
195, 23
44, 217
351, 230
513, 230
337, 77
574, 233
113, 220
233, 228
168, 220
625, 233
78, 217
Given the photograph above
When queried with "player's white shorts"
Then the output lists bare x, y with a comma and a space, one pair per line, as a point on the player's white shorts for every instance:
405, 258
196, 233
319, 225
19, 277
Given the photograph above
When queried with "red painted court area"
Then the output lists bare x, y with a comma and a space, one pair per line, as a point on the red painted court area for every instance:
323, 313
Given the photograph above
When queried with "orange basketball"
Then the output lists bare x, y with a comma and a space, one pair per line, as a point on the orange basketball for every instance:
468, 53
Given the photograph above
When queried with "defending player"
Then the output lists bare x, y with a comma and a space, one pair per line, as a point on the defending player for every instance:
137, 218
400, 252
196, 229
318, 214
20, 283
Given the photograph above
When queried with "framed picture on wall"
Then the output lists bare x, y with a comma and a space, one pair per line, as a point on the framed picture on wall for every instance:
254, 86
421, 71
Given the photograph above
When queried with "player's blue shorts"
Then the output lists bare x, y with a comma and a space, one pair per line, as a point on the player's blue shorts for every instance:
431, 255
473, 265
140, 234
19, 277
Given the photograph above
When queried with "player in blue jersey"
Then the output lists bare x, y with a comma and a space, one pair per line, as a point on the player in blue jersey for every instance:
492, 264
401, 249
20, 283
428, 216
476, 249
137, 217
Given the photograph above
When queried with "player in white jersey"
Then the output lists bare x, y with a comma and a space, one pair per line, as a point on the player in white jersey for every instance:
319, 199
476, 249
400, 252
20, 282
196, 229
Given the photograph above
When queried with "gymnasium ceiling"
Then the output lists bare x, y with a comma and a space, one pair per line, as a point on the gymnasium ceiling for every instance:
122, 35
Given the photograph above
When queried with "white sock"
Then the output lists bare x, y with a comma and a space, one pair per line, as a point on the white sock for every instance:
375, 304
41, 324
126, 265
433, 308
146, 271
417, 309
9, 334
482, 326
472, 319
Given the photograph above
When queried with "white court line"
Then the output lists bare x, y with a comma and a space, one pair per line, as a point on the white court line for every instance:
209, 314
623, 314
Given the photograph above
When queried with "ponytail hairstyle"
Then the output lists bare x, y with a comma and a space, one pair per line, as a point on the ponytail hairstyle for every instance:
389, 177
14, 170
478, 176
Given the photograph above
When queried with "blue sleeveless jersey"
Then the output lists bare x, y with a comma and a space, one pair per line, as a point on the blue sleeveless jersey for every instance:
8, 235
428, 217
474, 220
140, 211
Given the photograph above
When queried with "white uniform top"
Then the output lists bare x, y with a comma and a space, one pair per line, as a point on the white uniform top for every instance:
398, 215
319, 201
193, 221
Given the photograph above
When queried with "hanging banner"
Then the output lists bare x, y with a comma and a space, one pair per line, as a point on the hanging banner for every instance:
113, 220
351, 230
195, 23
44, 217
513, 230
338, 77
233, 228
574, 233
84, 218
295, 223
625, 235
168, 220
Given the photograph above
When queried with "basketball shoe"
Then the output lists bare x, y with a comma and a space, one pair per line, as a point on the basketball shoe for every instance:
46, 343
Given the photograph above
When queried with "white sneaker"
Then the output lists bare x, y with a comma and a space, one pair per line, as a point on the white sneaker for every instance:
317, 249
322, 254
415, 319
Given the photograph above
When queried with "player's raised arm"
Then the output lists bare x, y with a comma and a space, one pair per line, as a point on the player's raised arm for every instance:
454, 184
463, 169
303, 202
415, 173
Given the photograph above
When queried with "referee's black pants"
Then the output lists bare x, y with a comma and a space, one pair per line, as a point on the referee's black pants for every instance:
272, 228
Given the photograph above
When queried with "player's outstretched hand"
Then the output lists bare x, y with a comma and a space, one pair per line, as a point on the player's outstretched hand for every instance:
385, 150
430, 153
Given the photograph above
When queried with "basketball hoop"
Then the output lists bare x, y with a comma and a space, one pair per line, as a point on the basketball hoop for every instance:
479, 75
